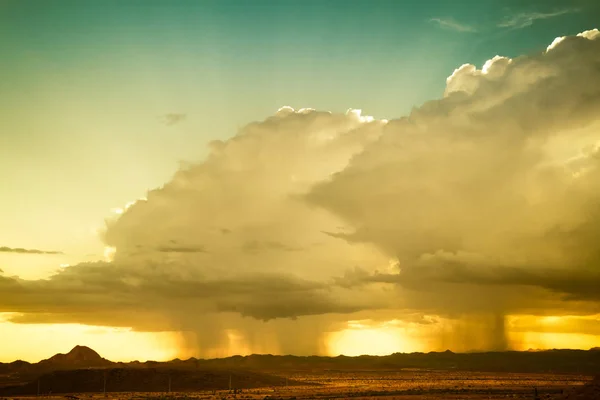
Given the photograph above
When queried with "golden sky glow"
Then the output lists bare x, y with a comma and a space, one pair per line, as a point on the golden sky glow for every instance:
372, 341
118, 344
359, 338
457, 213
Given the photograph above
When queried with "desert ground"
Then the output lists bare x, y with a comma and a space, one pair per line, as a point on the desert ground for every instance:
404, 384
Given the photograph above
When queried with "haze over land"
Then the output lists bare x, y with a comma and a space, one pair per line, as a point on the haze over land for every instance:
469, 224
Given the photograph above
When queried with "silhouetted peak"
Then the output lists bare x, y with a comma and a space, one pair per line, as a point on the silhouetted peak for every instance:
78, 355
83, 353
19, 363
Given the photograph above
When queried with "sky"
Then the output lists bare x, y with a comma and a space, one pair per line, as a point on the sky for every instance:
194, 178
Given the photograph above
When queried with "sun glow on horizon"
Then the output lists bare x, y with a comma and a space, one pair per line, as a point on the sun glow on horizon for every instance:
524, 332
359, 340
115, 344
555, 340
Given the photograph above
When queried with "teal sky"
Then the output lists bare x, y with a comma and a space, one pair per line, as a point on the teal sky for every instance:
85, 87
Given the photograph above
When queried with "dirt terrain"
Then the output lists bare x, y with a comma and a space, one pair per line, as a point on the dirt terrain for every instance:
411, 384
141, 380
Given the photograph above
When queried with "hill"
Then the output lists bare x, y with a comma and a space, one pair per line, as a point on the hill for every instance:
79, 356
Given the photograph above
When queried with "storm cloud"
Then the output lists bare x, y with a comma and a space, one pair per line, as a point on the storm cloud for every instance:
481, 204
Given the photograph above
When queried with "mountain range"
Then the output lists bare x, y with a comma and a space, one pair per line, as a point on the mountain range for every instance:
563, 361
83, 364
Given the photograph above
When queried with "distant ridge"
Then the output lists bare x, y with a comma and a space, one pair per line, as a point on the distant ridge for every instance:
557, 361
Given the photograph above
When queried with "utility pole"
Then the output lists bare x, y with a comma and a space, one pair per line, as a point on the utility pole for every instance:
104, 387
169, 383
38, 388
230, 382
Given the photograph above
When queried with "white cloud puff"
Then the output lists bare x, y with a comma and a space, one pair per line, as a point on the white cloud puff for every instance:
486, 174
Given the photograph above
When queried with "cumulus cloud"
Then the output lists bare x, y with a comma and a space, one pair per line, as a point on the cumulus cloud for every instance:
478, 205
225, 242
495, 184
20, 250
452, 24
